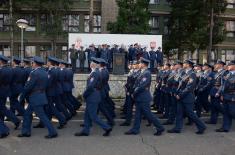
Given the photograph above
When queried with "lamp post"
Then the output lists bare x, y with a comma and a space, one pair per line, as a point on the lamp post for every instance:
22, 24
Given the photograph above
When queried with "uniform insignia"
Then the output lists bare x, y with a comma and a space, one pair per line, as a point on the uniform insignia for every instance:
28, 79
209, 78
49, 76
144, 79
91, 79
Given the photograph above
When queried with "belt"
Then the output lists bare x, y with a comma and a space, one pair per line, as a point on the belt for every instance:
37, 91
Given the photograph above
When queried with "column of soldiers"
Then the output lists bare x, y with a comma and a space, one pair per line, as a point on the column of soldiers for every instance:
183, 90
45, 89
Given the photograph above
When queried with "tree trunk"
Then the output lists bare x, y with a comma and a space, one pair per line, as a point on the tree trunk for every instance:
11, 29
211, 36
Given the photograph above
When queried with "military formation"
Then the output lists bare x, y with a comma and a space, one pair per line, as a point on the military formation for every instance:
183, 91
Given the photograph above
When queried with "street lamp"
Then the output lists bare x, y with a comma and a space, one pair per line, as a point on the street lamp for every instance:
22, 24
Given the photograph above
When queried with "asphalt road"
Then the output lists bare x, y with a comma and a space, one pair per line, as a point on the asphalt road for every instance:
186, 143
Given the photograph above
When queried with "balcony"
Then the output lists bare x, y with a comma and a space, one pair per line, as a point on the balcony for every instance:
82, 5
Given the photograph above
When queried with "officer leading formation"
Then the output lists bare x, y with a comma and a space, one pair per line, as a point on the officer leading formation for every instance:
183, 91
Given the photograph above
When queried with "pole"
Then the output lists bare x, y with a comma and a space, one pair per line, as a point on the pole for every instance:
11, 29
22, 44
211, 36
91, 16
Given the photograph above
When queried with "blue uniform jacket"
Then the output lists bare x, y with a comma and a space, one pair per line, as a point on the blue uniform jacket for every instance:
92, 91
186, 87
35, 87
52, 81
17, 83
5, 81
142, 87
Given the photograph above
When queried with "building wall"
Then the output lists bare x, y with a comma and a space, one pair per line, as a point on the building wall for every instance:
106, 10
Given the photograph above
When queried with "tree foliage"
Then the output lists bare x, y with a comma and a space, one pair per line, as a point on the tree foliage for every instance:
133, 17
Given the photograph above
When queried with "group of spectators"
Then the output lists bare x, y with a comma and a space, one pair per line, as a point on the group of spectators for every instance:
81, 58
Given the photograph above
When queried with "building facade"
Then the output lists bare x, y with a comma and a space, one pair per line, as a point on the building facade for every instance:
36, 42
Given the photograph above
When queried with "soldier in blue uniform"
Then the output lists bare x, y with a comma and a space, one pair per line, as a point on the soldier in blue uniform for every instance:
17, 85
92, 96
66, 87
228, 98
186, 99
5, 91
71, 98
215, 94
27, 69
106, 108
35, 88
142, 97
203, 89
172, 83
164, 101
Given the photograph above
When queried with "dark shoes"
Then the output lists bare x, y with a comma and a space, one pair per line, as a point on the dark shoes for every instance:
221, 130
107, 132
17, 125
125, 124
4, 135
159, 132
173, 131
200, 132
130, 133
51, 136
61, 126
167, 123
24, 135
80, 134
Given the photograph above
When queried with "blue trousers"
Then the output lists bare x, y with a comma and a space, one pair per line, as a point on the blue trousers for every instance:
187, 108
3, 128
103, 108
229, 114
143, 108
39, 111
52, 110
15, 105
216, 108
91, 116
6, 112
68, 104
129, 108
73, 100
61, 107
172, 109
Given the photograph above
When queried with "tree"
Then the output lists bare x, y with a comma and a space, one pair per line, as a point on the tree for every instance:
133, 17
188, 24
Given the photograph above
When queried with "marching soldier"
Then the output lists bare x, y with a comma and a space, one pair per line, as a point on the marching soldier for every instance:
215, 94
17, 85
228, 98
35, 88
129, 86
92, 98
142, 97
5, 91
203, 89
185, 98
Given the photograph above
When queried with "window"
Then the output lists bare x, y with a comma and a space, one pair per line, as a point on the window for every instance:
86, 23
30, 51
154, 2
96, 23
230, 28
71, 23
230, 4
154, 22
31, 20
5, 50
166, 28
4, 22
44, 21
